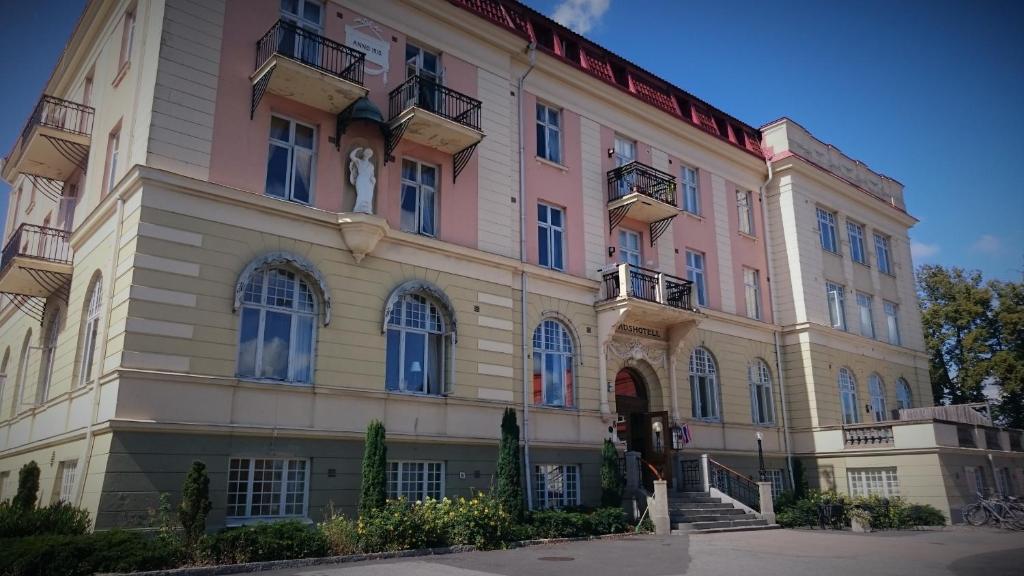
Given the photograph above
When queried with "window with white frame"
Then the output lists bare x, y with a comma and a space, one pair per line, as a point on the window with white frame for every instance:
630, 251
298, 40
551, 236
267, 488
417, 347
691, 190
549, 133
415, 480
419, 198
892, 321
53, 327
5, 477
761, 406
827, 230
877, 390
745, 208
836, 305
867, 319
127, 37
703, 385
855, 233
90, 334
553, 365
883, 253
67, 473
291, 160
874, 482
277, 326
1005, 480
777, 477
695, 273
556, 485
904, 397
113, 152
752, 292
848, 396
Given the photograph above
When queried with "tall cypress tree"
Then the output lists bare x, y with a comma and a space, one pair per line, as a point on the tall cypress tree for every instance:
510, 490
28, 486
611, 480
195, 504
374, 491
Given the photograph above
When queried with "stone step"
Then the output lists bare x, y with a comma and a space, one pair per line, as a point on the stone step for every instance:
700, 506
693, 499
712, 517
730, 529
715, 524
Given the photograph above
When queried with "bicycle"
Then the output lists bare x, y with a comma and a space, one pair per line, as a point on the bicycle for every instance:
1008, 515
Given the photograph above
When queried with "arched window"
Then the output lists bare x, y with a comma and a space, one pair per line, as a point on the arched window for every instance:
877, 389
91, 332
761, 405
277, 327
19, 383
904, 398
703, 385
848, 396
3, 375
553, 383
417, 347
52, 327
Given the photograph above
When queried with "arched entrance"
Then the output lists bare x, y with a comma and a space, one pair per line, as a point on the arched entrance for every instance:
644, 431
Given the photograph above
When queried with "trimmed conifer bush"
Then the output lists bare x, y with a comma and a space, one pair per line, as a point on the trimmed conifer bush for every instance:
195, 504
374, 492
611, 480
28, 486
510, 489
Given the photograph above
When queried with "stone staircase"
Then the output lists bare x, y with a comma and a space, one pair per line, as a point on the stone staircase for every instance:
699, 512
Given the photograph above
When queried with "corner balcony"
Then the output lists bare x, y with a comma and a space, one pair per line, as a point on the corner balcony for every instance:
642, 193
434, 115
646, 297
54, 143
308, 68
36, 262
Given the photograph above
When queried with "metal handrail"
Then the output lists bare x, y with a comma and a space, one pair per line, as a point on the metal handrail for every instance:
290, 40
644, 285
734, 484
31, 241
641, 178
59, 114
432, 96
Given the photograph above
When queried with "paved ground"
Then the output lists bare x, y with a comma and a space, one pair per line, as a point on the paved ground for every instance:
957, 551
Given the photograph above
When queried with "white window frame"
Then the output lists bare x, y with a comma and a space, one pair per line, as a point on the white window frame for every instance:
554, 234
421, 191
696, 272
690, 179
48, 352
883, 253
630, 248
561, 350
892, 321
836, 299
297, 315
113, 151
881, 481
299, 16
91, 334
827, 230
848, 403
399, 323
295, 153
865, 303
548, 132
127, 38
762, 404
858, 249
398, 480
745, 211
904, 395
876, 392
704, 391
778, 479
282, 496
570, 478
752, 292
67, 475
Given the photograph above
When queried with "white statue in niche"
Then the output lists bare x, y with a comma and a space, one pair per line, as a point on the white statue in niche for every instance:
360, 174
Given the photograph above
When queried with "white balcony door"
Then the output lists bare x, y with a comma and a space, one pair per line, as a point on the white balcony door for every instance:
427, 65
306, 15
629, 247
625, 152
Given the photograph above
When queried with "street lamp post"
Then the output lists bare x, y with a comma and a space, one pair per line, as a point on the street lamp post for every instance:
760, 458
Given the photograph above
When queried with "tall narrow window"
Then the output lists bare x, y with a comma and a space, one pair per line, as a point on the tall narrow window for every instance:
904, 398
855, 232
91, 329
745, 207
827, 230
426, 65
277, 327
892, 321
882, 253
752, 292
53, 328
553, 382
551, 236
867, 319
416, 346
415, 481
3, 374
266, 488
761, 406
549, 133
290, 161
877, 389
19, 384
624, 153
695, 273
691, 190
127, 38
703, 385
629, 248
113, 152
556, 485
419, 198
67, 473
836, 305
848, 396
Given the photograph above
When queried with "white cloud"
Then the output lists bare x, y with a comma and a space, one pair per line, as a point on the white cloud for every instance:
580, 15
921, 251
987, 244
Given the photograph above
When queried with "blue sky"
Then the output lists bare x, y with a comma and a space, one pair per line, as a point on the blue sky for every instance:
928, 92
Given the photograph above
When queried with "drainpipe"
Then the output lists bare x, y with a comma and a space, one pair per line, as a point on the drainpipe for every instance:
531, 51
775, 333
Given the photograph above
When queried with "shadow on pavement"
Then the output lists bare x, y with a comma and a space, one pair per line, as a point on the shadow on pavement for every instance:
999, 563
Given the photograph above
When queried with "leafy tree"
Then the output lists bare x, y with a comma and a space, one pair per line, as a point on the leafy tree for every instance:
799, 479
195, 504
28, 486
611, 479
510, 486
1008, 358
374, 493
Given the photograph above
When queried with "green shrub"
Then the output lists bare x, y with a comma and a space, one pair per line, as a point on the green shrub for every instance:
480, 521
611, 479
561, 524
403, 525
510, 487
60, 518
262, 542
925, 515
373, 492
28, 486
195, 505
83, 555
342, 535
609, 520
804, 512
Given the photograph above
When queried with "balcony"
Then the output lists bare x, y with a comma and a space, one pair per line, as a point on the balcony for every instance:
36, 262
646, 296
308, 68
642, 193
868, 436
434, 115
54, 143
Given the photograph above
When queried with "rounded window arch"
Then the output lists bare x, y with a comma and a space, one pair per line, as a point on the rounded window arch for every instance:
876, 387
19, 384
904, 397
278, 315
704, 395
92, 312
848, 396
53, 324
419, 324
3, 374
553, 364
761, 402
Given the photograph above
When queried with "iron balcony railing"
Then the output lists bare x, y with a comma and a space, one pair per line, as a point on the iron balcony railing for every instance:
31, 241
641, 178
288, 39
649, 285
427, 94
867, 436
59, 114
734, 484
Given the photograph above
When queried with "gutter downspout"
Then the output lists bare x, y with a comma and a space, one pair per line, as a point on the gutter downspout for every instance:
775, 333
531, 50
